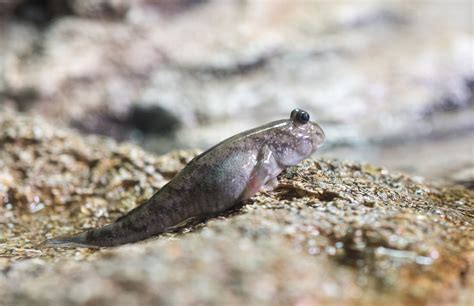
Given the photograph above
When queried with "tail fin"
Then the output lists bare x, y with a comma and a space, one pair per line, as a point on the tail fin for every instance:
79, 240
129, 229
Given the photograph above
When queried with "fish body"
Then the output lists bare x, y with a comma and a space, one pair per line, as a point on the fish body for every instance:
213, 182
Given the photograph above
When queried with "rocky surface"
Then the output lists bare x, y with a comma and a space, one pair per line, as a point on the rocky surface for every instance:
333, 233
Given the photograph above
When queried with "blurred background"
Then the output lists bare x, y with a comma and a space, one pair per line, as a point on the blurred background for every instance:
391, 82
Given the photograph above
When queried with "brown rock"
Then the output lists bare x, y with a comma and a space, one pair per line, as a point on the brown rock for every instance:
333, 233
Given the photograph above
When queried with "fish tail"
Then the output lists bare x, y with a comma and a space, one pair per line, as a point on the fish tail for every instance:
79, 240
121, 232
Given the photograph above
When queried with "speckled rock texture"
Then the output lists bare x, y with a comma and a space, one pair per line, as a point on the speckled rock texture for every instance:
333, 233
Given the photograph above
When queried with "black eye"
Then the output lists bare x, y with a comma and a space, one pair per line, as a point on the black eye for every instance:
303, 117
299, 115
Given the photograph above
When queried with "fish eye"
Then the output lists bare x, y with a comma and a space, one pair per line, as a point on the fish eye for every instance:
303, 117
299, 115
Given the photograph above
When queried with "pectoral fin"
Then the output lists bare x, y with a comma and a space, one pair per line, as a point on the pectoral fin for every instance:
262, 175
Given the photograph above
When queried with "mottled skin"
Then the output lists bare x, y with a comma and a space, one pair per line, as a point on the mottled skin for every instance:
213, 182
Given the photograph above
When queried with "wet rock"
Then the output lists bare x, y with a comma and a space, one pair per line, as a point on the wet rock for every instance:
333, 232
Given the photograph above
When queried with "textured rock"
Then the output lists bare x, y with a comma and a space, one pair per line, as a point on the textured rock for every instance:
333, 233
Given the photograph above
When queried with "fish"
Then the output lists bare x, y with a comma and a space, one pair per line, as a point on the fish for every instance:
217, 180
